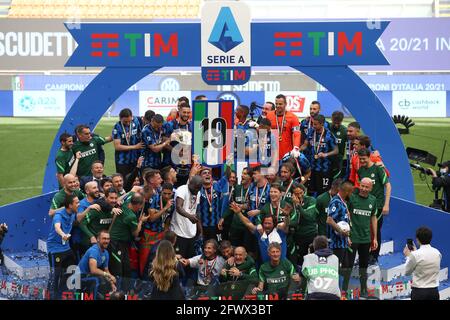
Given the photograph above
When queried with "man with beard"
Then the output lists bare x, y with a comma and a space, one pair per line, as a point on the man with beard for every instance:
127, 135
267, 107
117, 181
70, 187
152, 137
97, 220
95, 264
259, 192
65, 159
306, 124
340, 133
288, 128
177, 131
124, 229
353, 131
338, 212
321, 145
89, 146
268, 232
210, 207
185, 222
239, 235
322, 203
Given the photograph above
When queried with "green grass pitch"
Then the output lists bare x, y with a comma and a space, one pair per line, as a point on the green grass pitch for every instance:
25, 145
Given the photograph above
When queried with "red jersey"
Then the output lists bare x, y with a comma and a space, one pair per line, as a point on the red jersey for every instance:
289, 131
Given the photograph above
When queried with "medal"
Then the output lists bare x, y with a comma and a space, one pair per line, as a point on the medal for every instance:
283, 121
316, 148
209, 198
278, 210
258, 199
127, 135
288, 189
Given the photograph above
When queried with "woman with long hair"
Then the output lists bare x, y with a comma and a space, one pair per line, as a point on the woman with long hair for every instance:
165, 274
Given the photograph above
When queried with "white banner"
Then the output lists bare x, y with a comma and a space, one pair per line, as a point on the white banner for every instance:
159, 101
298, 102
419, 103
39, 103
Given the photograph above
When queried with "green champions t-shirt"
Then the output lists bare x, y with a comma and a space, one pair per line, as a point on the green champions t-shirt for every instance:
64, 161
379, 178
278, 277
240, 196
361, 210
93, 223
124, 226
322, 203
268, 209
307, 222
89, 153
58, 198
341, 138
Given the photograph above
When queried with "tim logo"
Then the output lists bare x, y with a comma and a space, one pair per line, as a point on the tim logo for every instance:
225, 34
226, 56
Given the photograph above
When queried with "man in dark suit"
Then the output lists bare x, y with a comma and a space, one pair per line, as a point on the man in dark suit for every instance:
96, 175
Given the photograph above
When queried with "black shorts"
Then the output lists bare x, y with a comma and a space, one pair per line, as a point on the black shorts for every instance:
320, 182
185, 247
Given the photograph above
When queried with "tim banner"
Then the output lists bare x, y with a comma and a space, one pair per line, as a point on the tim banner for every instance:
298, 102
160, 101
419, 103
39, 103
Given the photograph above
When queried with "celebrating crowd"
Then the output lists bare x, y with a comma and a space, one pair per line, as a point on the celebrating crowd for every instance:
183, 230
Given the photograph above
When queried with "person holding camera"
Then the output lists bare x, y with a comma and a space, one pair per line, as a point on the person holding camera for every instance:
424, 265
442, 181
3, 231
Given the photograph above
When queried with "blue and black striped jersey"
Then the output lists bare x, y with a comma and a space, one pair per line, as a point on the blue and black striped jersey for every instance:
210, 214
150, 137
129, 136
339, 212
169, 128
326, 144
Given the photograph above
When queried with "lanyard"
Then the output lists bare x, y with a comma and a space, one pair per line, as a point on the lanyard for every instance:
209, 271
246, 194
278, 210
283, 121
127, 135
262, 195
288, 188
316, 149
209, 197
346, 208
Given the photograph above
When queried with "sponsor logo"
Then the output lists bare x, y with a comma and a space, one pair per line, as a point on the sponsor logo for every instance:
150, 45
226, 56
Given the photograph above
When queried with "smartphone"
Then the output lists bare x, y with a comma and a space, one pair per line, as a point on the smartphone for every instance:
410, 244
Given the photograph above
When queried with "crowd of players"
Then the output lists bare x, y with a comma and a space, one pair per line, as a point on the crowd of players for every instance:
174, 226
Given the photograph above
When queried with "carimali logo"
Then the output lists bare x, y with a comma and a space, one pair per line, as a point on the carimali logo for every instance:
226, 51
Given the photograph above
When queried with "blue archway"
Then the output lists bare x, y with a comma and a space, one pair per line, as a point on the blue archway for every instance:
343, 82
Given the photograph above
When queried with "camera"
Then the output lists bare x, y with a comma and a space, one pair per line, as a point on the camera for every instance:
410, 244
423, 170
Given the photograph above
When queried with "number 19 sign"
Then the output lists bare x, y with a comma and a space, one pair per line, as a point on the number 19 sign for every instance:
212, 133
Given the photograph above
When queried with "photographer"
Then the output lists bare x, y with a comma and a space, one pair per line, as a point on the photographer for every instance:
442, 181
424, 265
3, 231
